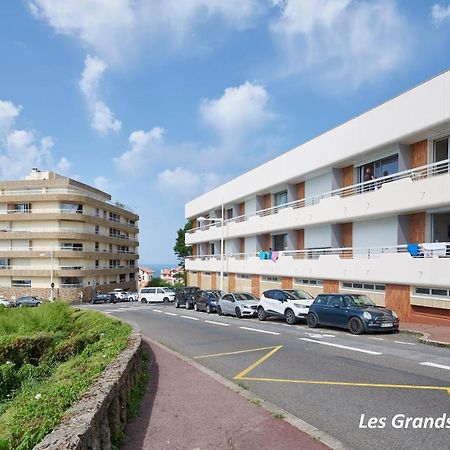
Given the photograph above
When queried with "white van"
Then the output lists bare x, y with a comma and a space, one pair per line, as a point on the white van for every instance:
156, 294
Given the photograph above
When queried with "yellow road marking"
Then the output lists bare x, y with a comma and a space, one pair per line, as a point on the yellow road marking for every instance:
235, 353
348, 383
242, 374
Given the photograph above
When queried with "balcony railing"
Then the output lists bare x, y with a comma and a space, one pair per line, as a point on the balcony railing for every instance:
419, 173
435, 250
45, 190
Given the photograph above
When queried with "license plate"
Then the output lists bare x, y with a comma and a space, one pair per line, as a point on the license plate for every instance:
387, 325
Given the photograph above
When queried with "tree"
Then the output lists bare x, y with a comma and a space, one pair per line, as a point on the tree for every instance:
180, 248
158, 282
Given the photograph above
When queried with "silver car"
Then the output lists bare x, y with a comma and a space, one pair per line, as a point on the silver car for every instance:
239, 304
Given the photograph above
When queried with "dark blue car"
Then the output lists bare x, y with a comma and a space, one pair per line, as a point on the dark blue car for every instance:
354, 312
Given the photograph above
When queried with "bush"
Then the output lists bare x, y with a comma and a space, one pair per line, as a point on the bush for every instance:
49, 356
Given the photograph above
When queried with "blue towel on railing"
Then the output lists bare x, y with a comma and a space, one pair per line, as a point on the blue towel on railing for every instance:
262, 255
413, 249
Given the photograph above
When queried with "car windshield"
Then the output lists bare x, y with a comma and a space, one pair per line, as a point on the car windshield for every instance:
242, 297
169, 290
298, 294
213, 293
360, 300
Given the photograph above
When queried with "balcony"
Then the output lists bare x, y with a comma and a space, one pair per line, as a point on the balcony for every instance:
384, 265
401, 193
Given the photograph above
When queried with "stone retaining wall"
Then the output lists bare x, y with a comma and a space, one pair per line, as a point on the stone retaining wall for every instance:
101, 413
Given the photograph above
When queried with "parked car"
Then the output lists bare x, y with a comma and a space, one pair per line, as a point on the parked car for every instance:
29, 301
133, 296
354, 312
6, 303
184, 296
284, 303
156, 294
120, 294
103, 298
239, 304
206, 300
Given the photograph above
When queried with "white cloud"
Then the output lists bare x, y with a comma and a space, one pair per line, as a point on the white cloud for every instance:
102, 118
186, 183
20, 150
440, 13
8, 114
63, 166
116, 28
145, 145
239, 111
347, 41
102, 183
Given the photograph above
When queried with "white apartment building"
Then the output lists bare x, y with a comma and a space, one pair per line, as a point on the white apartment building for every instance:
58, 231
363, 207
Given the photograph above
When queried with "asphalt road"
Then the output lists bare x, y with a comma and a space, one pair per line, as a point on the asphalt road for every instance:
326, 377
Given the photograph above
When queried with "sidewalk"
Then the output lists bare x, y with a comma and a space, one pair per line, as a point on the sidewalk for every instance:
437, 333
187, 409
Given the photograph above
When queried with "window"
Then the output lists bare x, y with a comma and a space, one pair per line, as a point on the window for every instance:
380, 168
4, 263
336, 300
132, 276
321, 300
21, 207
114, 217
97, 245
212, 248
20, 283
97, 212
280, 198
97, 263
441, 150
114, 232
114, 263
363, 286
442, 293
71, 208
243, 276
279, 242
97, 229
74, 246
71, 282
122, 278
271, 279
229, 214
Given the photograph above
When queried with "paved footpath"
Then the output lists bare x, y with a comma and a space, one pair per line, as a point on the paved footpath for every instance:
187, 409
437, 333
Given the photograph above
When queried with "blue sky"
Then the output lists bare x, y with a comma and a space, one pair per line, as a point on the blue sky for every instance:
156, 101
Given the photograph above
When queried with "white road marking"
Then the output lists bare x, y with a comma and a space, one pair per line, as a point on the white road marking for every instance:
370, 352
171, 314
405, 343
376, 339
157, 310
260, 331
189, 317
218, 323
320, 336
438, 366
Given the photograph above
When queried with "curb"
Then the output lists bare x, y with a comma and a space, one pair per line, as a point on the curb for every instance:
424, 339
310, 430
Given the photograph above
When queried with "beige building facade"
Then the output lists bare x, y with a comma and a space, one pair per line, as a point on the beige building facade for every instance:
60, 237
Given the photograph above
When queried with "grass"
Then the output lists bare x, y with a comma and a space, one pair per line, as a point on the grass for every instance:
244, 386
256, 402
49, 357
278, 415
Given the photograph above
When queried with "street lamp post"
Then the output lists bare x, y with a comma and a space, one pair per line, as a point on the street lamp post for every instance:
52, 284
222, 220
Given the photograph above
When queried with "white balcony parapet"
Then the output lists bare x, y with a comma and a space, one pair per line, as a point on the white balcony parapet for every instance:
419, 173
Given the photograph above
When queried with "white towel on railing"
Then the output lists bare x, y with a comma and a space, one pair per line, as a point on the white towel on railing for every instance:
434, 249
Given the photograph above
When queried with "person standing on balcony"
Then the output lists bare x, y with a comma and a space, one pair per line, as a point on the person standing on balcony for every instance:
368, 176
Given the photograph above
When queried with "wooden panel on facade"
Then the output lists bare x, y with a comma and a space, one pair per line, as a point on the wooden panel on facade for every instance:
347, 176
231, 282
267, 201
214, 280
199, 279
419, 154
255, 285
301, 190
397, 297
300, 239
286, 283
242, 209
266, 242
330, 286
417, 228
430, 316
241, 245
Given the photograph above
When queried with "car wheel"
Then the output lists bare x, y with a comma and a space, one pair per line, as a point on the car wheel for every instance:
208, 309
177, 305
356, 326
290, 317
219, 311
312, 320
165, 300
144, 300
262, 315
20, 305
195, 307
238, 312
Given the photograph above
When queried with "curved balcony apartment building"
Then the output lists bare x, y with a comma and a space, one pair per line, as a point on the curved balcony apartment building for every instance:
330, 227
54, 229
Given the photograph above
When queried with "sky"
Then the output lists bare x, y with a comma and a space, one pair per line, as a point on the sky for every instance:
158, 101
